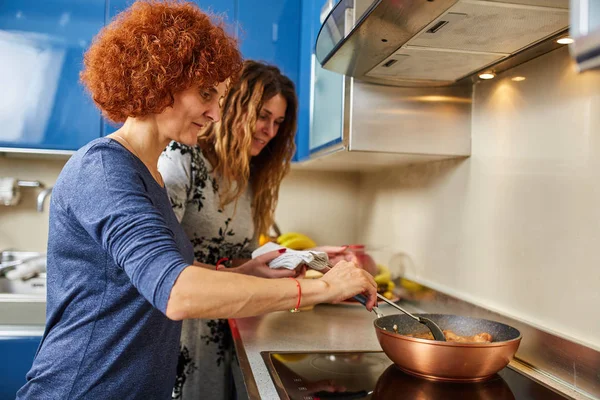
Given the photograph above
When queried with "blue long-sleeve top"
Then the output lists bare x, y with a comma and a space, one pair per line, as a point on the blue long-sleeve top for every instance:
115, 249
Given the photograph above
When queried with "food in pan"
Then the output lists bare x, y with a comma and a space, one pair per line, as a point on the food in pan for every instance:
482, 337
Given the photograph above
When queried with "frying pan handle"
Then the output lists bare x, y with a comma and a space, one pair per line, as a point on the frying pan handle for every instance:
361, 298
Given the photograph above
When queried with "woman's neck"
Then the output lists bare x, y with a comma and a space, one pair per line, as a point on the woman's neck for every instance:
141, 137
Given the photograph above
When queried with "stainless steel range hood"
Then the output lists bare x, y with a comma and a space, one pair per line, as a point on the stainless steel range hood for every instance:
436, 42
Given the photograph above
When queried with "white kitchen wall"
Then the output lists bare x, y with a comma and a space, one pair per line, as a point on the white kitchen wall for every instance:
516, 227
321, 205
21, 226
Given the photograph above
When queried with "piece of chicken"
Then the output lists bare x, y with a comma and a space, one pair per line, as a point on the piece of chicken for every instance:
482, 337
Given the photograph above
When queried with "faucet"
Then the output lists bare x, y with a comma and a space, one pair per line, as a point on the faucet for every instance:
41, 198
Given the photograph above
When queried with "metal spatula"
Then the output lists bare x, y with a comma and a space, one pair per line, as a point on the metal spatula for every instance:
435, 330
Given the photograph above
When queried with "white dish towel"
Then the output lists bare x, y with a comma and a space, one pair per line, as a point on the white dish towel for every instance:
291, 259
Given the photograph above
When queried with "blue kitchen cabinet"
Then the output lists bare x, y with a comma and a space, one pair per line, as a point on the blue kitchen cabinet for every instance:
270, 31
224, 9
17, 357
325, 100
320, 91
309, 20
43, 105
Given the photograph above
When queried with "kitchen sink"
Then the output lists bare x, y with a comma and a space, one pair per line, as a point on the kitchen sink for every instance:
26, 271
33, 286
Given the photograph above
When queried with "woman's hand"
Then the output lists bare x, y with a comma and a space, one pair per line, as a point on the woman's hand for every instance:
345, 280
259, 267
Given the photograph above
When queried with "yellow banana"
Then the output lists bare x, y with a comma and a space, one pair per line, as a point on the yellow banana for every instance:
299, 243
383, 276
382, 279
287, 236
263, 239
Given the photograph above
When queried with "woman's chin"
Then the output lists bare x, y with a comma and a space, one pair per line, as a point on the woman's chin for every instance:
188, 141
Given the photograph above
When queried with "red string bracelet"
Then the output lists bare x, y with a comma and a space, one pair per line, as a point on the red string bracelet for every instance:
221, 260
296, 309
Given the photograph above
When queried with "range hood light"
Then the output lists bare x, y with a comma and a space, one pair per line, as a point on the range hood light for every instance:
487, 75
518, 78
565, 40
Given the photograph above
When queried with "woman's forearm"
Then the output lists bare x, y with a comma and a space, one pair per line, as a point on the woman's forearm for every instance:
201, 293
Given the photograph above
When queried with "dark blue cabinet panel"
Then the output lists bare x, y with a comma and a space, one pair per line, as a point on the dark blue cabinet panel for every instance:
43, 105
321, 91
309, 29
17, 357
270, 31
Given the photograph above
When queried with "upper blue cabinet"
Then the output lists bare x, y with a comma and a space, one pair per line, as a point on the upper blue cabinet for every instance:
43, 105
269, 30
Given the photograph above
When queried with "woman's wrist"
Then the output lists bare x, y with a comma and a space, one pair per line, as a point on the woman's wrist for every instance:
314, 291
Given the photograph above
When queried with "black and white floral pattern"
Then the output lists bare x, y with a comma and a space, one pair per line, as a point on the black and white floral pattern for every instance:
215, 232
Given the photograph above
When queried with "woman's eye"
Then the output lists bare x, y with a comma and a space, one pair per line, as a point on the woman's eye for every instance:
205, 95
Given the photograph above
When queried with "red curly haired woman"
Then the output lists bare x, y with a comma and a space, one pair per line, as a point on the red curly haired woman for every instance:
121, 271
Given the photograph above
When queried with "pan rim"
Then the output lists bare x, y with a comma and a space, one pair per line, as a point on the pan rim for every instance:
450, 344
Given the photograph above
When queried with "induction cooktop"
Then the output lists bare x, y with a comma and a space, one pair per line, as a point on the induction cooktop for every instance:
371, 375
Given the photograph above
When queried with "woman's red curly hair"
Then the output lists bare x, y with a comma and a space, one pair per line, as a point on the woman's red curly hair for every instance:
153, 50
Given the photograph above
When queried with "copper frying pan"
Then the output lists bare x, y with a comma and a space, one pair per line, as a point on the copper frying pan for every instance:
447, 361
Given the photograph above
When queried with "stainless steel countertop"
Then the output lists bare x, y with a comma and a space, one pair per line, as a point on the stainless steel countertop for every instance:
326, 327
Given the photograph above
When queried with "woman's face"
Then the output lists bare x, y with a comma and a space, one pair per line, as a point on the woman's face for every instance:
192, 110
270, 118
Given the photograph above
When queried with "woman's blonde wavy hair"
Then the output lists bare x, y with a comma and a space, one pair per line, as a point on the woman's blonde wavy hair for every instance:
232, 140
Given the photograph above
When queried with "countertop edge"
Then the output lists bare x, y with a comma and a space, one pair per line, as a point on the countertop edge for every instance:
246, 368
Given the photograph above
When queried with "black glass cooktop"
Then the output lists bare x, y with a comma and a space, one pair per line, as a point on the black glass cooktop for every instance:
371, 375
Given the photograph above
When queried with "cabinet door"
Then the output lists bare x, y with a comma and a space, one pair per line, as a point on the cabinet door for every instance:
43, 105
328, 100
269, 31
17, 357
224, 9
321, 91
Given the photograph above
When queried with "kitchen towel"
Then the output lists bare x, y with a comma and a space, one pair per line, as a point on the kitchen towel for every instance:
291, 259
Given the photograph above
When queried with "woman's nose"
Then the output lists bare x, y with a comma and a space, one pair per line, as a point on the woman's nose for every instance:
213, 112
270, 130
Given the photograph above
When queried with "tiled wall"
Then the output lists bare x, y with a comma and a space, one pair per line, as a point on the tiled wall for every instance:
516, 227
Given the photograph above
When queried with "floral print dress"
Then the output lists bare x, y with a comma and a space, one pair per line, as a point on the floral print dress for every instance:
205, 360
